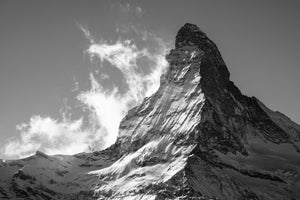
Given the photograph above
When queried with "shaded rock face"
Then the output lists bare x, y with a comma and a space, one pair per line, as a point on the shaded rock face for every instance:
197, 137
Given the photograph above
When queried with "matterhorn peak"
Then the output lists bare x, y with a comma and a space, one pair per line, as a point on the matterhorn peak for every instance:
197, 137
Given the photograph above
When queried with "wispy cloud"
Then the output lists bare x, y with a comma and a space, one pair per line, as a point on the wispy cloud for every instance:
127, 8
111, 106
86, 33
140, 60
138, 10
49, 135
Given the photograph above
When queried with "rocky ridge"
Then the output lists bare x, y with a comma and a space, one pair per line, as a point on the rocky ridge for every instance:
197, 137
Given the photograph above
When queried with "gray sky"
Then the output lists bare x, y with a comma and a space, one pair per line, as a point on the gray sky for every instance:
42, 49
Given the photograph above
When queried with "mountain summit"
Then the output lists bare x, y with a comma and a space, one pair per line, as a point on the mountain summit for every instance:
197, 137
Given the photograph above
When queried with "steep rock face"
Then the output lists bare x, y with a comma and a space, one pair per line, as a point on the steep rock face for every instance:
197, 137
244, 147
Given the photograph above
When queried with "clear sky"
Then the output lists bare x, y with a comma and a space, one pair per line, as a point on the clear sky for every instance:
44, 53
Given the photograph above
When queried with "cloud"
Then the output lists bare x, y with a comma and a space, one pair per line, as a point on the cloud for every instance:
86, 33
104, 76
111, 106
75, 85
48, 135
138, 10
140, 61
125, 7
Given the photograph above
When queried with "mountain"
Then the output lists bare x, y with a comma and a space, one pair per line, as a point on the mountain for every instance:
197, 137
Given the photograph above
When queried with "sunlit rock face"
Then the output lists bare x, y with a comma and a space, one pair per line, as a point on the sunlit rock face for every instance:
197, 137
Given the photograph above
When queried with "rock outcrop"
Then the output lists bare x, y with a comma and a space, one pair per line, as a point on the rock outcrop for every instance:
197, 137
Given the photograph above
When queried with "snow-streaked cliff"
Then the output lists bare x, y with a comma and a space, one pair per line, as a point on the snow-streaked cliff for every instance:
197, 137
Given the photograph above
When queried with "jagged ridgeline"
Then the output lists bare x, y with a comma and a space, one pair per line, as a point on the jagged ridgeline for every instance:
197, 137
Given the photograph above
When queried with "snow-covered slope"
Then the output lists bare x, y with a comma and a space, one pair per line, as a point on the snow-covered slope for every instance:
49, 177
197, 137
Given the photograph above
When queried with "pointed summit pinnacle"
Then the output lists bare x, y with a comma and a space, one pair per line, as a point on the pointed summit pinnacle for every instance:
213, 70
190, 34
